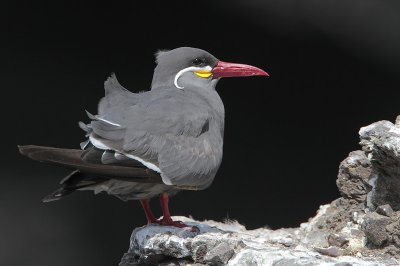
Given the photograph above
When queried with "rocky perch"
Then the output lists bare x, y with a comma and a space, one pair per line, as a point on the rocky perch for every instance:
360, 228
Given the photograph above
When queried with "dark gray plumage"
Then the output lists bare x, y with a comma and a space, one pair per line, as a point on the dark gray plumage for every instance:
156, 142
178, 131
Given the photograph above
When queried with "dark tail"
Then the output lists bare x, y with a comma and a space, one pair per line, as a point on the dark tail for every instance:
85, 173
72, 159
58, 194
74, 181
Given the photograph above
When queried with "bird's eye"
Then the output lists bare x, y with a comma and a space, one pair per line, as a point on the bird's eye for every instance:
198, 61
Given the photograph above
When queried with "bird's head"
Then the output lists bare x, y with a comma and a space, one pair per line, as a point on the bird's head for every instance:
185, 65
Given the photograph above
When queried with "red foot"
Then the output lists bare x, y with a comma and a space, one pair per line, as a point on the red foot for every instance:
166, 220
179, 224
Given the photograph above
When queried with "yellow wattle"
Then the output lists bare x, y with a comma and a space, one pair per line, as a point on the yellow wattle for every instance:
203, 74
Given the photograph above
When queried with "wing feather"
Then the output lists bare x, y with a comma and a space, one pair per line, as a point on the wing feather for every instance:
71, 158
170, 129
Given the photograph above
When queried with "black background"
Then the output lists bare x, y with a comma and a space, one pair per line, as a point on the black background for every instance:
334, 67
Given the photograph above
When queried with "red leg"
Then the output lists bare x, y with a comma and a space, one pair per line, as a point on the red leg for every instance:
147, 210
164, 200
167, 220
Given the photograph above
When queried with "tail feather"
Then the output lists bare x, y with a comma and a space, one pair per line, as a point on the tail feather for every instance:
58, 194
74, 181
86, 173
71, 158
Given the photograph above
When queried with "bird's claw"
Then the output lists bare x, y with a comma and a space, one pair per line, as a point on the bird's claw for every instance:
179, 224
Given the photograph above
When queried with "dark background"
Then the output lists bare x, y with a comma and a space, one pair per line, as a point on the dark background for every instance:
334, 67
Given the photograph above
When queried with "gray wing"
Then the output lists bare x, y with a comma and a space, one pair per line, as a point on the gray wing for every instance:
116, 96
167, 130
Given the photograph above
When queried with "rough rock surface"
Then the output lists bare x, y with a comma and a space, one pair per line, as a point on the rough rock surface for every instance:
381, 143
232, 244
360, 228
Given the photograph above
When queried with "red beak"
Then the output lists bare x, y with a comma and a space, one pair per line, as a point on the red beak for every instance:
225, 69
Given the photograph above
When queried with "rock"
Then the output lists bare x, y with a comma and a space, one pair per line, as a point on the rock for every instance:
362, 227
220, 255
215, 244
385, 210
331, 251
353, 177
374, 228
338, 240
381, 143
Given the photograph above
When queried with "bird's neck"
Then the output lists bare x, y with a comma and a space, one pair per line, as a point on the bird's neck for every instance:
162, 78
216, 106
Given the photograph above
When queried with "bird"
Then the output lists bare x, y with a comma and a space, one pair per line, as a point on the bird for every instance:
153, 143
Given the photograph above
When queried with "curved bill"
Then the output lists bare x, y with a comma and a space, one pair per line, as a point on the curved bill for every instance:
226, 69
